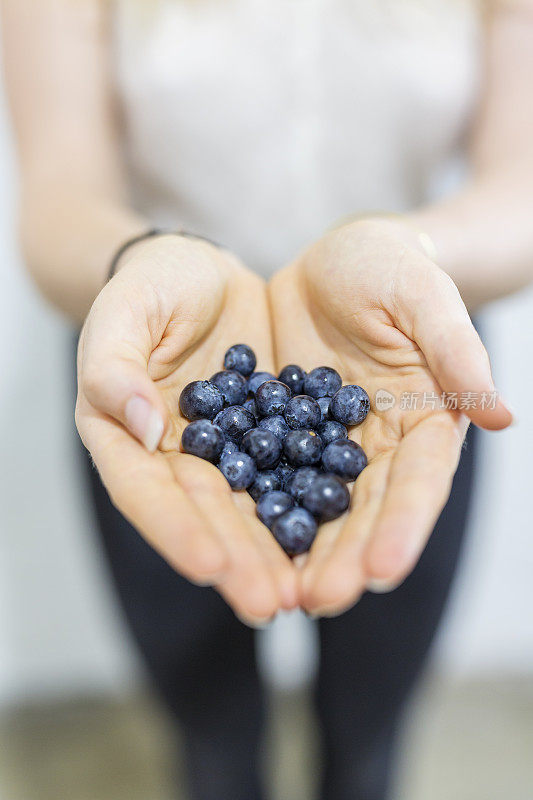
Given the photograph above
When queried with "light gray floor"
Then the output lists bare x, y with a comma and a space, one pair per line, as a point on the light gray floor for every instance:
470, 741
463, 742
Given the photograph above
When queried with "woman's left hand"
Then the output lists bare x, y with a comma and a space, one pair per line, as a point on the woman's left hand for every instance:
366, 301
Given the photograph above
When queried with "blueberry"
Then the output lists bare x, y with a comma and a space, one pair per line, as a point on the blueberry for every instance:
350, 405
266, 481
241, 358
257, 378
300, 480
228, 449
200, 400
344, 458
250, 406
326, 498
322, 382
263, 446
272, 505
203, 439
235, 421
293, 376
324, 402
232, 387
271, 398
330, 430
302, 448
284, 472
295, 531
302, 411
276, 425
238, 469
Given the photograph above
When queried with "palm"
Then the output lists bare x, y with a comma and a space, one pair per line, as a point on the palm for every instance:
180, 503
406, 448
359, 300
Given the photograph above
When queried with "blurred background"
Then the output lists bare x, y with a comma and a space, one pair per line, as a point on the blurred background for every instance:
76, 718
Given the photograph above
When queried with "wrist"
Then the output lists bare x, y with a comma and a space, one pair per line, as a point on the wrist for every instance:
157, 242
139, 247
403, 227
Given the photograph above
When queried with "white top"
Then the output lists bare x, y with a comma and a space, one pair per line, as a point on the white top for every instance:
260, 122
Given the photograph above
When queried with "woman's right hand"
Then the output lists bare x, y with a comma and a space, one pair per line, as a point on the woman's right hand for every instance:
166, 319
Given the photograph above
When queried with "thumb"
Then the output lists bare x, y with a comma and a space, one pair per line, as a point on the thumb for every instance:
441, 326
113, 376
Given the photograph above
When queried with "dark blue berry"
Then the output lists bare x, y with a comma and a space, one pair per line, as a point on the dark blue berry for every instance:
284, 472
324, 402
271, 398
266, 481
322, 382
263, 446
203, 439
326, 498
344, 458
232, 387
272, 505
250, 406
350, 405
330, 430
300, 480
302, 411
239, 470
295, 531
241, 358
276, 425
257, 378
302, 448
229, 448
293, 376
235, 421
201, 400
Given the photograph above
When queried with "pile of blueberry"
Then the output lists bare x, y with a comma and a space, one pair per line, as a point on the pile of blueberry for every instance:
283, 439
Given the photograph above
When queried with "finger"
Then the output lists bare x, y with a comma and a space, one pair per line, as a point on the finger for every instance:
281, 565
436, 318
253, 330
419, 484
112, 367
143, 488
249, 584
295, 337
334, 577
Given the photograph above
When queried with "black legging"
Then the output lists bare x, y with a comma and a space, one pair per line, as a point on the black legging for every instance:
202, 661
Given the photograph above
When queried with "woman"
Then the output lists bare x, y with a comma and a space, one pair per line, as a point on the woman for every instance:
257, 125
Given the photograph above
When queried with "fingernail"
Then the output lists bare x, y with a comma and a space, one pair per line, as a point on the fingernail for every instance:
326, 611
381, 585
300, 561
212, 580
259, 623
508, 407
144, 422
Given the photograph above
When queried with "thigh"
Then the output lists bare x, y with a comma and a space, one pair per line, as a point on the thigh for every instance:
190, 639
372, 654
200, 657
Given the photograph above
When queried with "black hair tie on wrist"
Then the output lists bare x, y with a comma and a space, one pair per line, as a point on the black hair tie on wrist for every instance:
150, 234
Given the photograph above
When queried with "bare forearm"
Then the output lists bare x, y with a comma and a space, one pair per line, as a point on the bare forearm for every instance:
74, 205
484, 235
69, 237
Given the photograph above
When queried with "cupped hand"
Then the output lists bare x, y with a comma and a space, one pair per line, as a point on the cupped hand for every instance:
366, 301
166, 319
